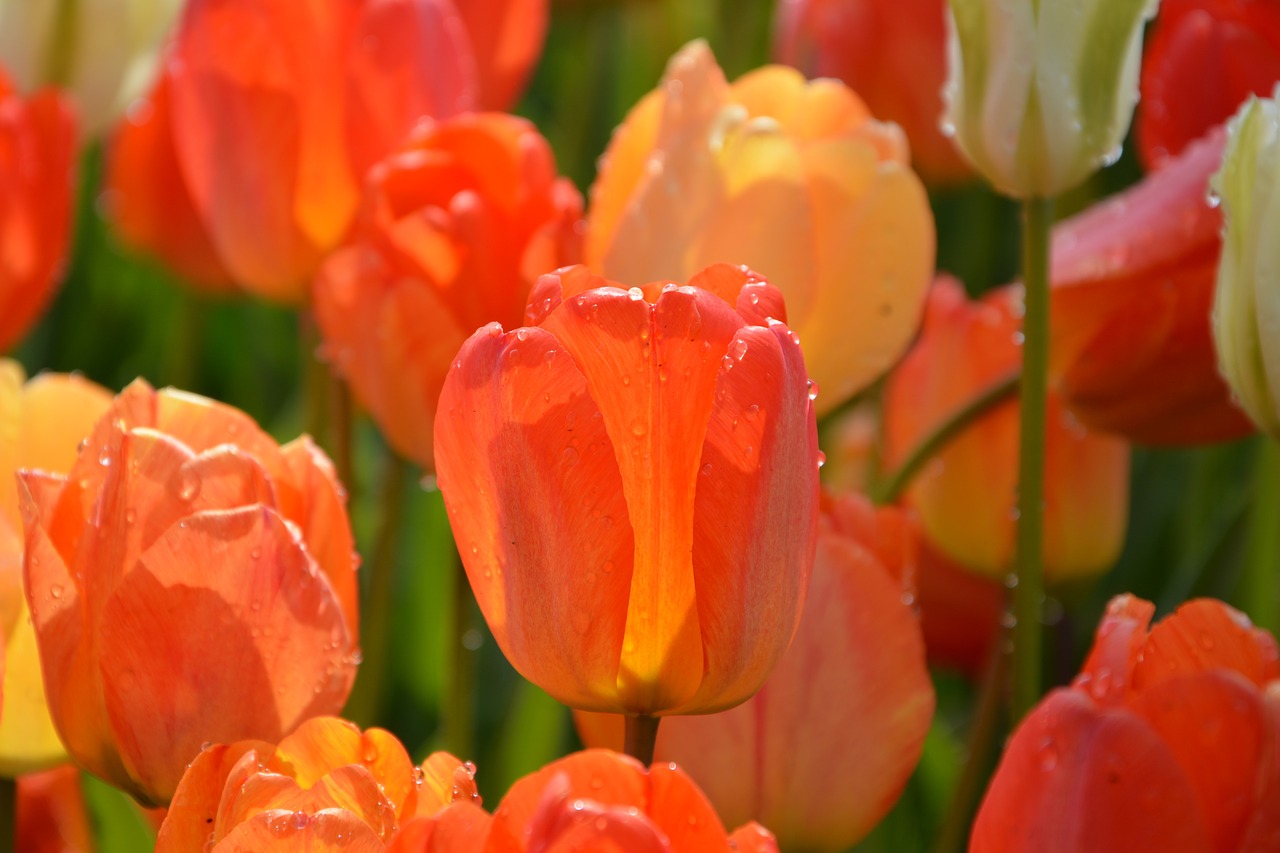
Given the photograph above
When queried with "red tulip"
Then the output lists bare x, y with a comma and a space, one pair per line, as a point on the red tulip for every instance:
965, 495
326, 786
893, 53
843, 716
506, 38
455, 229
604, 802
147, 197
960, 613
632, 481
51, 815
37, 184
1203, 59
189, 581
280, 108
1133, 278
1168, 740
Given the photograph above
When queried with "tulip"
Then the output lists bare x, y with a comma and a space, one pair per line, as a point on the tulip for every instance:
1169, 739
42, 424
188, 581
844, 715
892, 54
147, 198
326, 785
102, 53
960, 613
1131, 349
455, 229
50, 813
602, 801
37, 183
632, 480
966, 494
1041, 94
506, 38
1246, 304
793, 179
1205, 57
280, 108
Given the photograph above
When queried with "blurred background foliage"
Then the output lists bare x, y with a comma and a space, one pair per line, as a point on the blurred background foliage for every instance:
1196, 516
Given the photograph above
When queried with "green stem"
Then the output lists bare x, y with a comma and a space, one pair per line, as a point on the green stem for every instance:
341, 416
460, 693
62, 37
981, 746
1029, 593
640, 737
316, 381
987, 399
1260, 586
375, 635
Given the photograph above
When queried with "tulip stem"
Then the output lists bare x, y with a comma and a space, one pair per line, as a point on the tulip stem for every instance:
1259, 594
63, 35
980, 747
375, 619
340, 419
458, 722
999, 391
1028, 595
8, 815
641, 736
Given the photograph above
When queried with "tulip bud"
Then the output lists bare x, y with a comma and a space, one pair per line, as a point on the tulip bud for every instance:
103, 53
1040, 93
1246, 310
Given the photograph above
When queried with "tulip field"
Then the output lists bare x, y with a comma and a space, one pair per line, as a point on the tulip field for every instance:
639, 426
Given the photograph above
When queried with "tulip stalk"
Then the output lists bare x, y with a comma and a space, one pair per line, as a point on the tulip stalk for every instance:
950, 428
57, 71
640, 737
8, 814
1029, 591
458, 722
1260, 585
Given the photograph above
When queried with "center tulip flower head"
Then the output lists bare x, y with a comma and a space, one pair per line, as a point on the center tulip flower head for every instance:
189, 581
280, 108
632, 480
797, 181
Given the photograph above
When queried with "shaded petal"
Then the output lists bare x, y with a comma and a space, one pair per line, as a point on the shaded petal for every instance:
506, 36
1263, 832
459, 828
1206, 634
531, 482
256, 643
51, 814
1077, 777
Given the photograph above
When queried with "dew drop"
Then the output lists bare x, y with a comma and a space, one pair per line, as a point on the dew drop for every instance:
55, 591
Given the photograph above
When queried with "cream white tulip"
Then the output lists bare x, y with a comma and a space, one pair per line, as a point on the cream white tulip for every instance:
1041, 92
1246, 311
102, 51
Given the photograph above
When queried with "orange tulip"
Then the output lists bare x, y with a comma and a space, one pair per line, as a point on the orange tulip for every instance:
1168, 740
965, 496
147, 197
456, 228
844, 715
893, 54
280, 108
51, 815
42, 423
327, 786
632, 481
604, 802
506, 38
1203, 60
1133, 278
189, 581
795, 180
37, 184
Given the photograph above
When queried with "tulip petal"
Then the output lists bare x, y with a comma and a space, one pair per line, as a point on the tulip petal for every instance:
1202, 635
351, 788
331, 831
683, 812
753, 838
651, 369
1213, 724
1263, 832
191, 817
755, 513
506, 36
1107, 674
459, 828
1077, 777
516, 410
443, 780
248, 616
